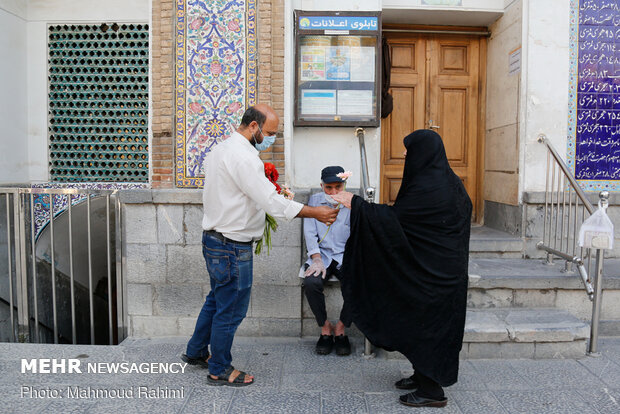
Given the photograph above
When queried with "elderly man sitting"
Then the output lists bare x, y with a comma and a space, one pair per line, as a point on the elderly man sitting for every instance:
325, 250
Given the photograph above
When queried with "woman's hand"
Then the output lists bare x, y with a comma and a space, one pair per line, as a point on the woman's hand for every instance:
344, 198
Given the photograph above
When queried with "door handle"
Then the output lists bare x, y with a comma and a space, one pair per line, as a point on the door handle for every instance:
431, 126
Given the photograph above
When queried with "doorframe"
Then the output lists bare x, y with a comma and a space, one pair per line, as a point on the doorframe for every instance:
482, 33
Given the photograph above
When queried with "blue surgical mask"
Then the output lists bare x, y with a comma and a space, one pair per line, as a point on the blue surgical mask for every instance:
267, 141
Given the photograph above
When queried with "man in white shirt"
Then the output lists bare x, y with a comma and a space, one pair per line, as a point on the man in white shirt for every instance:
236, 196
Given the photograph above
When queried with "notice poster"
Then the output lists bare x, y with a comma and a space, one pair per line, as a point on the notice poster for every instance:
318, 101
355, 102
312, 63
362, 64
338, 65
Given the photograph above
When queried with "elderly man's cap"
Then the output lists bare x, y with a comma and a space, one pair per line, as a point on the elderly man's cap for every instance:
328, 174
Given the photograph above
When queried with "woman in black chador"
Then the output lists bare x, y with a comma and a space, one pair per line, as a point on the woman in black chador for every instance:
405, 269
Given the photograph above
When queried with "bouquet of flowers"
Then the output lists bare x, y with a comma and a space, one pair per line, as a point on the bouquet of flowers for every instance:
270, 222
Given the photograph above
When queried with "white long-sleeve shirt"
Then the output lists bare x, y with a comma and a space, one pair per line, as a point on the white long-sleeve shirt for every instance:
237, 194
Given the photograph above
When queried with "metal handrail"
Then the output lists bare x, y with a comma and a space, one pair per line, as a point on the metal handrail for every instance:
561, 228
542, 138
368, 193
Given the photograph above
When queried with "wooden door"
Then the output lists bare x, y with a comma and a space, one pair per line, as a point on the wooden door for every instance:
435, 84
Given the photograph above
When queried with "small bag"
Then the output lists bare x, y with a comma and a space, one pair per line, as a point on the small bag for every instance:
597, 232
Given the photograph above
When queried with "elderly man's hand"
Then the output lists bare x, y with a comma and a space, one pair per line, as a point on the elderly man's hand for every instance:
316, 268
344, 198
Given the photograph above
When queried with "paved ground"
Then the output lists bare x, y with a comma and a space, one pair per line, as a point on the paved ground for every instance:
291, 379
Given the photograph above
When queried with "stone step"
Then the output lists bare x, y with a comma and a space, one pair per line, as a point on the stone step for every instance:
521, 333
530, 283
491, 243
513, 273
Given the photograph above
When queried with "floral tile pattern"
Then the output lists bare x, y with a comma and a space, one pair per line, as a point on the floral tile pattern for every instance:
215, 78
42, 203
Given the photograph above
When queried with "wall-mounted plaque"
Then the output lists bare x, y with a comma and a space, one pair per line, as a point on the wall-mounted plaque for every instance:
594, 108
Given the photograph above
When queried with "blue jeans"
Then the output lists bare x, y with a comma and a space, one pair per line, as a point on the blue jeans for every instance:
230, 270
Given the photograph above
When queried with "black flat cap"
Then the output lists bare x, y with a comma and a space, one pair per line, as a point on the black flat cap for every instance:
328, 174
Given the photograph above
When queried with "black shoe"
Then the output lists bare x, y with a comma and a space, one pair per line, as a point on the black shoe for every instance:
325, 345
202, 362
410, 383
342, 344
414, 400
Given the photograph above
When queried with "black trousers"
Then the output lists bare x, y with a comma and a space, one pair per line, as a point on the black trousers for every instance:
313, 289
427, 387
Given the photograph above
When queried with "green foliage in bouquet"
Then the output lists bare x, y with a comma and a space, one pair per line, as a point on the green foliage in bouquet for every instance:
270, 224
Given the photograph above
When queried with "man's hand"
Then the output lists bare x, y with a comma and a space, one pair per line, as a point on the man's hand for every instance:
316, 268
323, 214
343, 198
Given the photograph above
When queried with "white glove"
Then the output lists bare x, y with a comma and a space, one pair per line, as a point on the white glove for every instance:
316, 268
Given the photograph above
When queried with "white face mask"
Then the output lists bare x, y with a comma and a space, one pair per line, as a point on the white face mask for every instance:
330, 199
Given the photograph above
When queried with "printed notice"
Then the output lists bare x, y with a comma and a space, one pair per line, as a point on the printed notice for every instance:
312, 63
351, 102
338, 63
514, 61
318, 101
363, 64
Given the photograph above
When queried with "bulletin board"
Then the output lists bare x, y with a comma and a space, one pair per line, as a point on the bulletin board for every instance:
337, 61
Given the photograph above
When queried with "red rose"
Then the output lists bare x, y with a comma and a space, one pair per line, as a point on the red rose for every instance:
272, 175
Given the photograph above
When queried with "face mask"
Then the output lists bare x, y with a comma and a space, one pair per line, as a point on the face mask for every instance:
330, 199
267, 141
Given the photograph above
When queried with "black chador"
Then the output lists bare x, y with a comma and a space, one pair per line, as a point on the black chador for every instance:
405, 266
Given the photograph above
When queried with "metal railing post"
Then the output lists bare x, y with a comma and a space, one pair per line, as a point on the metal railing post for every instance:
592, 280
369, 196
10, 265
91, 298
33, 253
71, 275
121, 315
598, 288
21, 271
53, 267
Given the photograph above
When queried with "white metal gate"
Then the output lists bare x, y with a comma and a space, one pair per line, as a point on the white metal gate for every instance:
60, 266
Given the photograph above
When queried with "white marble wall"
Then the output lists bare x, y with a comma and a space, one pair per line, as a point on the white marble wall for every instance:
13, 111
544, 95
13, 115
501, 175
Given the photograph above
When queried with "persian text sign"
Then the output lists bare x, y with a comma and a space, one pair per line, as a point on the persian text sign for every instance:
595, 93
338, 23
